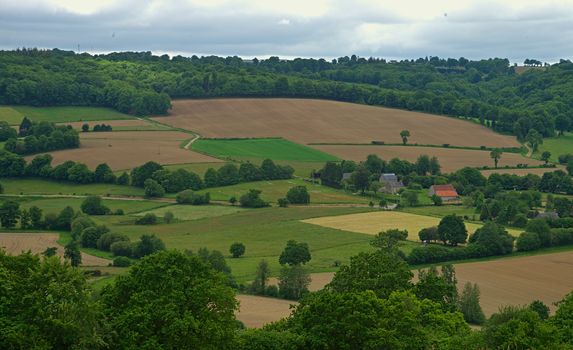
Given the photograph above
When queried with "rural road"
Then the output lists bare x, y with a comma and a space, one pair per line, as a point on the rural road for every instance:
195, 138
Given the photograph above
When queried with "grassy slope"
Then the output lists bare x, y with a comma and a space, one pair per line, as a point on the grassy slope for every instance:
194, 212
557, 146
59, 114
54, 205
263, 231
276, 149
38, 186
273, 190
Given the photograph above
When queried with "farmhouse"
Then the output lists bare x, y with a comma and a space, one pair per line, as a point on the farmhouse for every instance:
446, 192
390, 183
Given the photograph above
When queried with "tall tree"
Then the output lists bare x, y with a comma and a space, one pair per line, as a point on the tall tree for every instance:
495, 154
404, 134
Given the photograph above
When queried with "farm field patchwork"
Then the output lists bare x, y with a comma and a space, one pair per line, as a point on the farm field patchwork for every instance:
128, 149
194, 212
16, 243
63, 114
311, 121
375, 222
264, 233
450, 159
272, 148
275, 189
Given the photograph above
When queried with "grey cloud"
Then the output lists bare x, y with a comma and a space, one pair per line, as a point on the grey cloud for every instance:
178, 26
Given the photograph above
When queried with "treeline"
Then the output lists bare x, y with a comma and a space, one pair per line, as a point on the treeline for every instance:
140, 83
35, 137
151, 175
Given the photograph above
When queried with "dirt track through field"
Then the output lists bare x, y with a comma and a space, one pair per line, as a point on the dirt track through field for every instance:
450, 159
310, 121
16, 243
128, 149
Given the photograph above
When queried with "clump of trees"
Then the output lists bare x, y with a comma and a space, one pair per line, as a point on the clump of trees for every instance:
40, 137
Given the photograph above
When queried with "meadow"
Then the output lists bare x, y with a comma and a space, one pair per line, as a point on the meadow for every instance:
122, 125
373, 223
273, 190
193, 212
48, 187
557, 145
272, 148
15, 114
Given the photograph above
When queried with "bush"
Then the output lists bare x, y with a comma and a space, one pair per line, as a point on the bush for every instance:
283, 202
429, 234
520, 220
189, 197
90, 237
153, 189
237, 249
435, 253
298, 195
168, 217
147, 219
121, 261
252, 199
528, 241
121, 248
107, 239
148, 244
92, 205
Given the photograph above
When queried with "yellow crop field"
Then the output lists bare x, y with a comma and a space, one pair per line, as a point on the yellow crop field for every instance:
374, 222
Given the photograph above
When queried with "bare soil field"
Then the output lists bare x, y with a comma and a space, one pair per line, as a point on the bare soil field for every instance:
255, 311
374, 222
451, 159
16, 243
522, 172
127, 149
318, 121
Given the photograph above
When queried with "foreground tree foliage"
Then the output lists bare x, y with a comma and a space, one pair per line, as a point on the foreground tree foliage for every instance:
171, 300
47, 304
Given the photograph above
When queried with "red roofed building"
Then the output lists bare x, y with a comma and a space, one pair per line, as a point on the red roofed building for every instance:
447, 192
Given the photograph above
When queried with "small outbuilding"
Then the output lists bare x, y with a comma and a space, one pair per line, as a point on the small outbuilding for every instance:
551, 215
446, 192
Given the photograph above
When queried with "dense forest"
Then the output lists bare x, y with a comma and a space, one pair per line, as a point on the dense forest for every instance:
141, 83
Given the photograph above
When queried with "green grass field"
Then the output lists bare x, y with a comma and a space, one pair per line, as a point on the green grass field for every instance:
273, 148
557, 146
14, 114
264, 233
194, 212
38, 186
54, 205
273, 190
301, 169
10, 115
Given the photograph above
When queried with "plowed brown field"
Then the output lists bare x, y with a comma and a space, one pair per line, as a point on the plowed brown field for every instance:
128, 149
257, 311
38, 242
450, 159
311, 121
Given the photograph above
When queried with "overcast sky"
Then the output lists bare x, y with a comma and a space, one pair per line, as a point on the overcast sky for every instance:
514, 29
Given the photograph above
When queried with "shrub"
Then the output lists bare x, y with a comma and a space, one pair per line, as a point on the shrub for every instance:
153, 189
298, 195
147, 244
168, 217
122, 261
437, 200
90, 237
252, 199
147, 219
429, 234
107, 239
528, 241
121, 248
283, 202
92, 205
119, 212
237, 249
189, 197
520, 220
